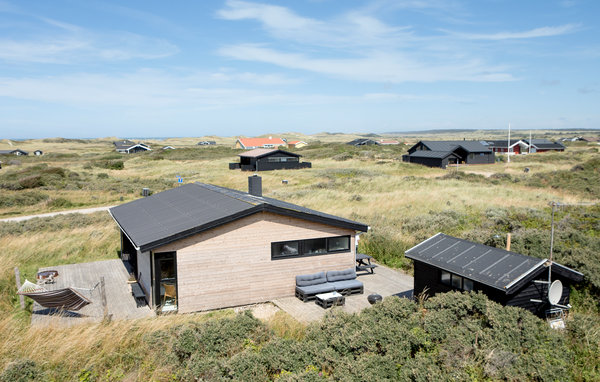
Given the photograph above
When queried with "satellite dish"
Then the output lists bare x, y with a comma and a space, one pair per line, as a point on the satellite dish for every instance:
555, 292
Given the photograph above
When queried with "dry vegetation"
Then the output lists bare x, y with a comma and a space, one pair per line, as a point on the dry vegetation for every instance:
403, 203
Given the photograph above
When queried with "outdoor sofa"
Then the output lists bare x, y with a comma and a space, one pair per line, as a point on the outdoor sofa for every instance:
344, 282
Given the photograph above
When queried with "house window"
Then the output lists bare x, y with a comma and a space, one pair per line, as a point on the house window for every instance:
310, 247
456, 281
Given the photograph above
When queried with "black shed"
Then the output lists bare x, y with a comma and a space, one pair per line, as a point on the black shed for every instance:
432, 158
268, 159
444, 263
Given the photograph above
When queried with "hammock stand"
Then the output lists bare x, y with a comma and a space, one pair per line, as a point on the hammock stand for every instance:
65, 298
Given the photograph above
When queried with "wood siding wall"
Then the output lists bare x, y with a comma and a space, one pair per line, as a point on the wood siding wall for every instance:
231, 265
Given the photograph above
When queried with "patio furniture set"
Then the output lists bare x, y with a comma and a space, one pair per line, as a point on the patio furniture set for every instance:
329, 288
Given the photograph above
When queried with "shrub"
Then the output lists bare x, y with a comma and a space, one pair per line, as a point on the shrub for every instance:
60, 203
32, 181
109, 164
21, 370
23, 198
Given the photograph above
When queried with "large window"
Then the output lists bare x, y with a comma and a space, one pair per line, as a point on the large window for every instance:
455, 281
282, 159
310, 247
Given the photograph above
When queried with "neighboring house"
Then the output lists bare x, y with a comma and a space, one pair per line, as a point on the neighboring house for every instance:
590, 139
438, 153
255, 143
168, 148
128, 147
38, 152
206, 143
200, 247
268, 159
543, 145
517, 146
14, 152
296, 144
444, 263
362, 142
386, 142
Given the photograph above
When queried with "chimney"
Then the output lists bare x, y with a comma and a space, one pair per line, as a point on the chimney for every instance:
255, 185
508, 242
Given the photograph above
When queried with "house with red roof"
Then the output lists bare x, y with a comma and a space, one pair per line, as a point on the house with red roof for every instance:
256, 143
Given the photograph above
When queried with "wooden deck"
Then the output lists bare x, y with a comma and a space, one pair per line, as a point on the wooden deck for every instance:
120, 302
384, 281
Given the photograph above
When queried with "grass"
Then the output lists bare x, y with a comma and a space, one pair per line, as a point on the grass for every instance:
403, 203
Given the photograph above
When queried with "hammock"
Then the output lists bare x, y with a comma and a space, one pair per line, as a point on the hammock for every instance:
66, 298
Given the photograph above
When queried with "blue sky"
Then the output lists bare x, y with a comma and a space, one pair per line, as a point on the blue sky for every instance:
75, 68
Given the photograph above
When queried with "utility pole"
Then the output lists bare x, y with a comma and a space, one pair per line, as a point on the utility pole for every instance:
508, 145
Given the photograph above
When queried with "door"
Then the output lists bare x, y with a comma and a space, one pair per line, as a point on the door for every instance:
165, 281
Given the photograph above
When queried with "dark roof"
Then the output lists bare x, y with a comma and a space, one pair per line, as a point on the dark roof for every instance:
259, 153
545, 144
432, 154
184, 211
469, 146
503, 142
362, 142
490, 266
124, 144
13, 151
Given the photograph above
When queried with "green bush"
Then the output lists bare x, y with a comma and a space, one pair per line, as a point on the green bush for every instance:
22, 370
109, 164
23, 198
60, 203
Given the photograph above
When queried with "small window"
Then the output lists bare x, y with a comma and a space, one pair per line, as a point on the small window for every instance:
445, 278
315, 247
335, 244
467, 285
456, 282
285, 249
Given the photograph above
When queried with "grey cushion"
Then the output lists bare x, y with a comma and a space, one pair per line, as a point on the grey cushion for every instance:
347, 284
311, 279
346, 274
315, 289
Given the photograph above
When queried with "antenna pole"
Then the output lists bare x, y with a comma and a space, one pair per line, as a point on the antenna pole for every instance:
529, 141
508, 144
551, 243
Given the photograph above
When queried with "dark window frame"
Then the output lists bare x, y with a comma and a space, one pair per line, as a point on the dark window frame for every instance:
301, 247
452, 277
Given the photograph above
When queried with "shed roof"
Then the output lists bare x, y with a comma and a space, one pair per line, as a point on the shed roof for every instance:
259, 153
432, 154
469, 146
490, 266
184, 211
257, 142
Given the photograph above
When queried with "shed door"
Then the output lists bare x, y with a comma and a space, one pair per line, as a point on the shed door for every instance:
165, 281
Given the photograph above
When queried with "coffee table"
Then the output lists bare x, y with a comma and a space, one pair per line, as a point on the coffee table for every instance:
327, 300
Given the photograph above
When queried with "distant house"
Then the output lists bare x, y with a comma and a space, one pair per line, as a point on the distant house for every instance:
269, 159
362, 142
442, 153
168, 148
444, 263
255, 143
543, 145
386, 142
14, 152
38, 152
128, 147
296, 144
200, 246
590, 139
517, 146
206, 143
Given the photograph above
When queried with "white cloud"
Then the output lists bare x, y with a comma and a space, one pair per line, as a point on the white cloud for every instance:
533, 33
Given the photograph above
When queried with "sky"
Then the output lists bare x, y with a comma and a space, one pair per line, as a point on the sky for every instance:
146, 68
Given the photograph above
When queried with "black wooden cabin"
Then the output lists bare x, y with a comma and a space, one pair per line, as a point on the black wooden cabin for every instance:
444, 263
437, 153
268, 159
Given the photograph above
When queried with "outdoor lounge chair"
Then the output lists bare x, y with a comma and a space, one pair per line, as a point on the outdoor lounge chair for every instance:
66, 298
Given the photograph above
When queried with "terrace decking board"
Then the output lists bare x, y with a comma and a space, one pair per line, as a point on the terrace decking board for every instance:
385, 281
121, 303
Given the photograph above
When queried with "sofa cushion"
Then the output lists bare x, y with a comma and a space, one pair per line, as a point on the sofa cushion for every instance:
316, 289
347, 284
346, 274
311, 279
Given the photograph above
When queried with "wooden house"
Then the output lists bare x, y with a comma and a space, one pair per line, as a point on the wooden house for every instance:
363, 142
14, 152
388, 142
437, 153
129, 147
544, 145
200, 247
207, 143
255, 143
444, 263
517, 146
269, 159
